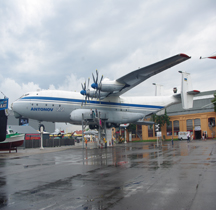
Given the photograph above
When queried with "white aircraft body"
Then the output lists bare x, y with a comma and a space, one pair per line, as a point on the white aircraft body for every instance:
106, 102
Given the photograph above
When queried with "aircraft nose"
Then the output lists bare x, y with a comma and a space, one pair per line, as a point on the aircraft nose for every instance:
14, 107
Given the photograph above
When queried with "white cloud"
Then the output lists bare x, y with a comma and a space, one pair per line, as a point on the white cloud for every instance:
13, 90
59, 44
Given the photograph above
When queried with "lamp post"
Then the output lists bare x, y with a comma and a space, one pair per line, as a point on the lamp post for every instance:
157, 129
41, 131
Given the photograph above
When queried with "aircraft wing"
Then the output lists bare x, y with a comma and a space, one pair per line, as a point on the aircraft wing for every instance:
136, 77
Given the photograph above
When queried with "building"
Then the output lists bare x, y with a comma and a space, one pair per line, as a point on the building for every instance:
199, 119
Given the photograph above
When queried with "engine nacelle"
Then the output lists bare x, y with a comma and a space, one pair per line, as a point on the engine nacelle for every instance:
112, 118
76, 115
108, 85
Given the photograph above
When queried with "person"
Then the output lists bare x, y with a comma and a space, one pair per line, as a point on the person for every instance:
188, 137
93, 114
203, 136
86, 142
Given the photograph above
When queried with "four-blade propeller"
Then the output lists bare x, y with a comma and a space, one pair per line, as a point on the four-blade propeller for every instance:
85, 92
97, 86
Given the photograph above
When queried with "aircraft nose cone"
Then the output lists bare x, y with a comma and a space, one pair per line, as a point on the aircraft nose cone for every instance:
94, 86
15, 108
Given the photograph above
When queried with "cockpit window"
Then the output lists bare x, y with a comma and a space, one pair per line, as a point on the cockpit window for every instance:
21, 96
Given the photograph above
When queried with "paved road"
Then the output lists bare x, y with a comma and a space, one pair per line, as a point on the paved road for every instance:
128, 176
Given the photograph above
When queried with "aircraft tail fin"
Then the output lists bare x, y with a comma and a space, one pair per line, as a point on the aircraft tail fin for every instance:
158, 89
187, 93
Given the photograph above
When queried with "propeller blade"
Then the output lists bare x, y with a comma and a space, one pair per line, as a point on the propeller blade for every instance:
99, 94
97, 76
101, 81
93, 77
88, 82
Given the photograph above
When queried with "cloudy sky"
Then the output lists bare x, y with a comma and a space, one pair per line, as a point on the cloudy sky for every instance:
59, 44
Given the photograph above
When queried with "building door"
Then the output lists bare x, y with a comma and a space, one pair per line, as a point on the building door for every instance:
197, 134
197, 128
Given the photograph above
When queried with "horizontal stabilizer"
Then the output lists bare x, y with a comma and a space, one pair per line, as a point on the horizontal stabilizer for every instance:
193, 92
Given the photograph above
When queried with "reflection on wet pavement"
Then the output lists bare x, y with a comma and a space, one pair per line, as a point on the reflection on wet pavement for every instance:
128, 176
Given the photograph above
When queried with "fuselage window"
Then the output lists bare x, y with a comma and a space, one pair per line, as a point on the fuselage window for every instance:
46, 104
53, 105
59, 105
36, 104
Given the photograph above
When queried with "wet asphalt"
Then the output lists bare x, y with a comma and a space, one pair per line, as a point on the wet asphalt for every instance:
127, 176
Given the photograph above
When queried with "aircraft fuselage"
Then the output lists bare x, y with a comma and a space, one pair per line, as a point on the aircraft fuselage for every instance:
66, 106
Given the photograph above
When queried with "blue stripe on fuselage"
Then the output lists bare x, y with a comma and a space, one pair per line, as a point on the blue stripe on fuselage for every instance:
91, 102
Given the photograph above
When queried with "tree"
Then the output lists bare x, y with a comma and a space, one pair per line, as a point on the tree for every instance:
161, 119
214, 102
131, 127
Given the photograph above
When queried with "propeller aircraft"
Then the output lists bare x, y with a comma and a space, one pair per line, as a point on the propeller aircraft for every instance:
106, 99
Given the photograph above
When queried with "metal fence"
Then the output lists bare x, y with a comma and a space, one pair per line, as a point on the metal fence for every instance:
35, 143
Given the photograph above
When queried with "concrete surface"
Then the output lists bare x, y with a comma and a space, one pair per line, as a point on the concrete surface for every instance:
128, 176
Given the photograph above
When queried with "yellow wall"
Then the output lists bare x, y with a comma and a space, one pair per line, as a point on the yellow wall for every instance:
182, 124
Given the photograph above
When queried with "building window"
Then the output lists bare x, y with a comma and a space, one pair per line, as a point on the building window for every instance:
169, 129
176, 127
197, 124
189, 125
150, 131
139, 131
211, 122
